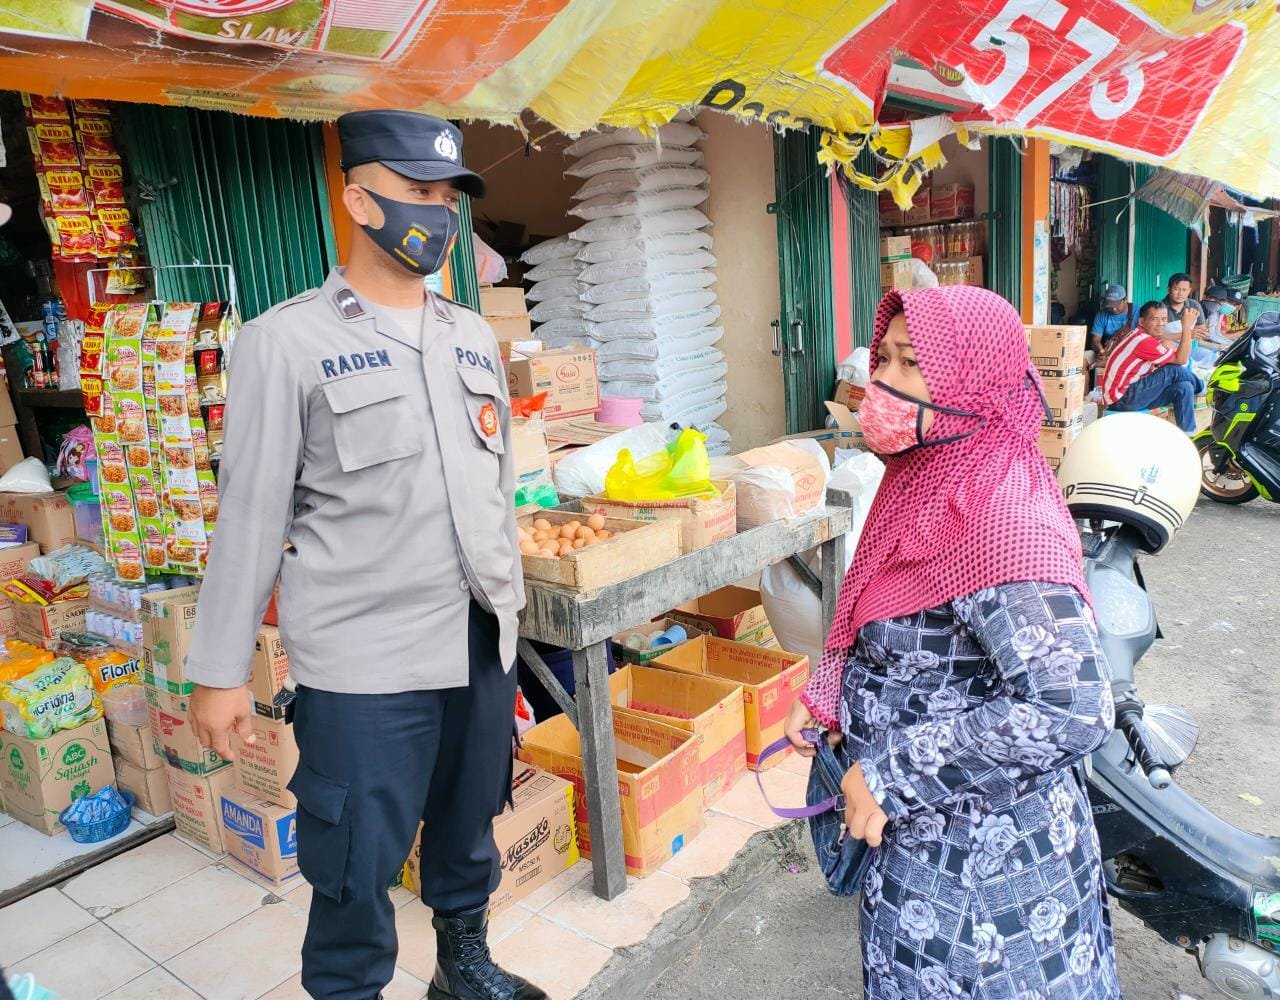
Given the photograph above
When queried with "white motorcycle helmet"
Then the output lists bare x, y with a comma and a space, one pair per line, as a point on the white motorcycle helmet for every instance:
1135, 469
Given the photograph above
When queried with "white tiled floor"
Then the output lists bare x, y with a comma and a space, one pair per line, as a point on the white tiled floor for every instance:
169, 922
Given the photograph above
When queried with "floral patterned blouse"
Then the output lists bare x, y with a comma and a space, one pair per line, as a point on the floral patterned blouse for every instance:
966, 720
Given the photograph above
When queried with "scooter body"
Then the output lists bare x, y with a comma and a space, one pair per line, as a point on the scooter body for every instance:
1240, 450
1196, 880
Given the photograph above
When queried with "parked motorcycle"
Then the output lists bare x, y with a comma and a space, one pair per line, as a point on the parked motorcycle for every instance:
1200, 883
1240, 451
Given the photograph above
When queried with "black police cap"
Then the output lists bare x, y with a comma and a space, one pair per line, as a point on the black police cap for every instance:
419, 146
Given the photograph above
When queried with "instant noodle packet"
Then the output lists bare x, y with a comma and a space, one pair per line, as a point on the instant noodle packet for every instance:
57, 695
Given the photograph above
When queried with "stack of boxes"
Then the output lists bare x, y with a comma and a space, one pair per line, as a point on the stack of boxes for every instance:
895, 263
10, 446
1058, 354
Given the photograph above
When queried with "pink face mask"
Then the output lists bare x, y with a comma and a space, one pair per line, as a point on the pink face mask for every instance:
893, 422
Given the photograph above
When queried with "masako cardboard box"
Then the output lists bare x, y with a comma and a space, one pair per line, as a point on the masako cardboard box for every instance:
733, 613
168, 622
568, 377
771, 680
197, 805
706, 706
1065, 396
264, 767
1054, 442
260, 835
173, 736
1057, 350
49, 517
536, 841
703, 520
659, 782
40, 778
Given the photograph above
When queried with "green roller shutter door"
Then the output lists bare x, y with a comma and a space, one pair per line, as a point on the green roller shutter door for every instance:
1159, 245
863, 207
219, 188
1004, 242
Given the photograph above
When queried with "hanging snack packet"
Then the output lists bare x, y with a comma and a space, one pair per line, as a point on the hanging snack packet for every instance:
58, 695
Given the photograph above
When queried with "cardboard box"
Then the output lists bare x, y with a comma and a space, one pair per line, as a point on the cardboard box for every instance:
702, 520
771, 680
264, 768
659, 782
706, 706
1065, 397
848, 395
150, 787
635, 547
731, 613
895, 275
894, 248
845, 435
37, 622
8, 620
49, 517
40, 778
1054, 442
977, 274
567, 376
10, 447
890, 214
272, 617
270, 668
920, 211
509, 328
1057, 350
197, 805
7, 415
260, 835
515, 346
950, 201
16, 560
532, 454
763, 502
536, 842
502, 303
173, 737
134, 744
168, 621
626, 654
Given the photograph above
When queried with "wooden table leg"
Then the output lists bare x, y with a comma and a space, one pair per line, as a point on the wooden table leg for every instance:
599, 759
833, 557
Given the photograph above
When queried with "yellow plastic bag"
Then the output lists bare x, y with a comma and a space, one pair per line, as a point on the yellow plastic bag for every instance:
682, 469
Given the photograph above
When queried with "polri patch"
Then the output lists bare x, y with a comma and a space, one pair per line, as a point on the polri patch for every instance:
488, 420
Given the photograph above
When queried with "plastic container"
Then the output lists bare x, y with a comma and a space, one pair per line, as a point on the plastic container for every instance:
91, 466
87, 510
126, 705
103, 829
621, 411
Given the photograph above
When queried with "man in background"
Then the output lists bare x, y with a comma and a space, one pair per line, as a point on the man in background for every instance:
1115, 316
1143, 372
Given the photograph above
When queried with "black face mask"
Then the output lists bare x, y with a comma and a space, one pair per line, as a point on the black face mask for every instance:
417, 237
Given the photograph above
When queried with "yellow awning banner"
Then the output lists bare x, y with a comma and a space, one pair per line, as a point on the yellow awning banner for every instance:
1189, 84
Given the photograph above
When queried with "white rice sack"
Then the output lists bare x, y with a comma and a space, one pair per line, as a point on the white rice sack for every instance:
632, 158
638, 248
575, 326
716, 434
699, 414
659, 369
648, 288
559, 308
672, 387
556, 249
555, 343
718, 449
554, 288
658, 349
655, 305
646, 267
559, 267
673, 407
608, 206
664, 175
679, 220
655, 327
673, 134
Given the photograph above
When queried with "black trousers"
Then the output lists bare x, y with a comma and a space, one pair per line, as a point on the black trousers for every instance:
371, 766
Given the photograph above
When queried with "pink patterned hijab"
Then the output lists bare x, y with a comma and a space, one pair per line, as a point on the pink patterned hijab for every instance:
952, 519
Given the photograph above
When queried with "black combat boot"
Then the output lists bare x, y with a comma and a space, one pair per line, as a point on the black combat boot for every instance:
464, 970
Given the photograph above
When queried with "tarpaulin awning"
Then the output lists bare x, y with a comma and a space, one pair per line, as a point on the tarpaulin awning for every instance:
1187, 85
1187, 198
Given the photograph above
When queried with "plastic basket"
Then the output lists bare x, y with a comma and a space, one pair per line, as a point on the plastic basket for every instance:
105, 829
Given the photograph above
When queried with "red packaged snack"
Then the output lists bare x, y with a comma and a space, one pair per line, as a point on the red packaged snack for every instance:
75, 234
87, 106
45, 108
106, 183
96, 140
64, 190
54, 144
114, 232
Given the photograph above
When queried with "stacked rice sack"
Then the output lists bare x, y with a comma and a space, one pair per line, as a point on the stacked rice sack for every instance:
646, 271
555, 298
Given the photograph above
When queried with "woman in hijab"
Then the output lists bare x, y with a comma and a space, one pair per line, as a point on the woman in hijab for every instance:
964, 674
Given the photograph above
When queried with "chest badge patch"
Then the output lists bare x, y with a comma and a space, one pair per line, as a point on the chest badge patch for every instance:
488, 420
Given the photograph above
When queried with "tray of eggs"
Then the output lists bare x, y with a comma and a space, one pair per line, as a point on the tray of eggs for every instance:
589, 551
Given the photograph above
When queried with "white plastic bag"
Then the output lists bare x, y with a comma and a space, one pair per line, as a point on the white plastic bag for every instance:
664, 175
795, 611
641, 247
582, 473
491, 269
680, 220
28, 476
608, 206
556, 249
856, 368
672, 134
921, 275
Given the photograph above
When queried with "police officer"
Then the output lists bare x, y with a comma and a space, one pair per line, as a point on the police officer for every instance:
368, 426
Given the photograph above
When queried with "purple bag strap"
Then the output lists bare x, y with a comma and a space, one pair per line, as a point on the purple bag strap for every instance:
792, 812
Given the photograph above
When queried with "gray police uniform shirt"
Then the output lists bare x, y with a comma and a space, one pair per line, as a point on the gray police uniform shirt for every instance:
383, 457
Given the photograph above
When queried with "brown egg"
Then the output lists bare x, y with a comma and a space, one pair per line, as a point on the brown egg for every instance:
579, 543
603, 535
548, 551
595, 522
587, 533
539, 536
566, 547
568, 531
528, 548
542, 524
